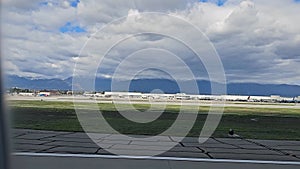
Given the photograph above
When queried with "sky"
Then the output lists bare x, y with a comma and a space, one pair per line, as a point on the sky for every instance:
256, 40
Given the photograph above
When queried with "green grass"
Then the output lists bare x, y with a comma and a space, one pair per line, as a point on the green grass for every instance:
255, 123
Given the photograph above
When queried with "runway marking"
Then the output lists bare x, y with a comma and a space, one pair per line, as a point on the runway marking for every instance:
156, 158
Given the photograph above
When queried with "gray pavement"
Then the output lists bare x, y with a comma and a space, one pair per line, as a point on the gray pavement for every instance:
82, 99
35, 141
47, 161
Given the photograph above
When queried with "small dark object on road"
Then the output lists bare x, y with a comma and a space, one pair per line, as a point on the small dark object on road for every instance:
231, 132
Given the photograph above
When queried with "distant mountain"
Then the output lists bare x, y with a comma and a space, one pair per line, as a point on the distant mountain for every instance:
167, 86
40, 84
264, 89
204, 87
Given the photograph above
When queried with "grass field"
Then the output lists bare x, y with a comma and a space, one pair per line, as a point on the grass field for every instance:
254, 123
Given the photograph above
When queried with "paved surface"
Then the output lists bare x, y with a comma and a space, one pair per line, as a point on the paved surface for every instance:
36, 141
160, 102
59, 162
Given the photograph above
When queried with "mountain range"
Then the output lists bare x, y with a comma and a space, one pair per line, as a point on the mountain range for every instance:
148, 85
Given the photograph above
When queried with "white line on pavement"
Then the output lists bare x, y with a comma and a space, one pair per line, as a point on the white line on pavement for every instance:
156, 158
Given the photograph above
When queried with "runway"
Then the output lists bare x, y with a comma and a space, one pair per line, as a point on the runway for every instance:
82, 99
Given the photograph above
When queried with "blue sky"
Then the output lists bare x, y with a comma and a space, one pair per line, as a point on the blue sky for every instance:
218, 2
74, 3
70, 27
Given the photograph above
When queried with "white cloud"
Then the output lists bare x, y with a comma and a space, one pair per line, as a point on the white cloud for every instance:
258, 41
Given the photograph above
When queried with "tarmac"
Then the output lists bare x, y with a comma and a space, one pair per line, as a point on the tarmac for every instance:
36, 141
35, 149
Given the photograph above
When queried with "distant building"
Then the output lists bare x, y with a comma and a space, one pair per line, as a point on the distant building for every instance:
182, 96
26, 94
287, 100
259, 99
123, 94
70, 92
101, 94
89, 94
235, 98
275, 98
44, 94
